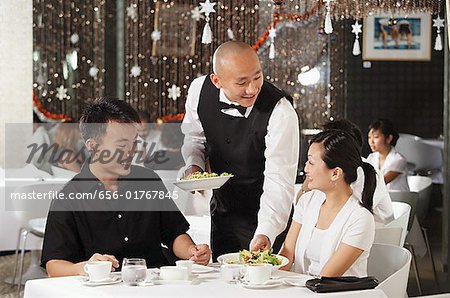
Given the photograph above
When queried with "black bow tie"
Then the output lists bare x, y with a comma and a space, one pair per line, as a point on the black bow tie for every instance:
241, 109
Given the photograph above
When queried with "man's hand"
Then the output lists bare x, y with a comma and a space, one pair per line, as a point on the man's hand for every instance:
190, 170
201, 254
259, 243
110, 258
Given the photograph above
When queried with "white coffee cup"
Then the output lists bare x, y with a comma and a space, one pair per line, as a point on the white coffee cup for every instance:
257, 274
173, 273
185, 264
230, 272
98, 270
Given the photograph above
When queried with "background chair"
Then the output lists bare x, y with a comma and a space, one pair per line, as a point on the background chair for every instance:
386, 235
425, 158
423, 186
401, 218
390, 265
418, 242
35, 224
402, 202
407, 197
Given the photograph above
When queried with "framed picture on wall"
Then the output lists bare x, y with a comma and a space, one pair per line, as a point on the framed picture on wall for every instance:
388, 37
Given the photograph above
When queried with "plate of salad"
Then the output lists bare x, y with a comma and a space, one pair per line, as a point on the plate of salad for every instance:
202, 181
245, 257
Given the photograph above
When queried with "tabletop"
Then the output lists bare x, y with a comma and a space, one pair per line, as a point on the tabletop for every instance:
206, 285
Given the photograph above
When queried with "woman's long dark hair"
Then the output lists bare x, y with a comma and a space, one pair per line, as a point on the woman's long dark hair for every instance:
341, 150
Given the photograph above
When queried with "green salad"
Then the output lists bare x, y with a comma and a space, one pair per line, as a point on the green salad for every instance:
201, 175
263, 257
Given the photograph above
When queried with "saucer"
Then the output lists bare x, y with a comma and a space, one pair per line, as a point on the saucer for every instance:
266, 285
199, 269
113, 279
192, 280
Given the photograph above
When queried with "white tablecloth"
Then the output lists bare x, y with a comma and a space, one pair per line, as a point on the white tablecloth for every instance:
210, 285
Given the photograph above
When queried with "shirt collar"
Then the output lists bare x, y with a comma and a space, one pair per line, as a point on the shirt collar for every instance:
88, 180
223, 98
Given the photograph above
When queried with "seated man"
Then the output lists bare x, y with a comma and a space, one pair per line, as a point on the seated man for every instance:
117, 221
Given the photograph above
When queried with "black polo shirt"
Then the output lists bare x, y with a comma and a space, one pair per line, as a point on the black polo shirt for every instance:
76, 235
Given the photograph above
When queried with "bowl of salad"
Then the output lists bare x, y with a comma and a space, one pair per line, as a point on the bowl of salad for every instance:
245, 257
202, 181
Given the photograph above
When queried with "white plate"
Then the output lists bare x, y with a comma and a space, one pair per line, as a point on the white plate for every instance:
235, 257
114, 279
199, 269
190, 281
297, 281
267, 285
202, 184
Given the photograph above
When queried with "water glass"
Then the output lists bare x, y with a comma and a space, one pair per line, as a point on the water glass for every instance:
134, 272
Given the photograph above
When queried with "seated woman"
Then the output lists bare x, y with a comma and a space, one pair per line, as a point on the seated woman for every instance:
332, 235
70, 155
382, 139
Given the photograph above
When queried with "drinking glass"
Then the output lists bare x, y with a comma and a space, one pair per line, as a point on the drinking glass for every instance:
134, 272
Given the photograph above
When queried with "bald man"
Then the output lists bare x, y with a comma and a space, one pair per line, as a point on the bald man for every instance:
247, 127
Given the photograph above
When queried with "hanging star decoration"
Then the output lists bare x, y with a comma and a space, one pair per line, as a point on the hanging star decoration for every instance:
156, 35
174, 92
356, 29
135, 71
207, 8
196, 14
61, 92
272, 35
131, 12
438, 23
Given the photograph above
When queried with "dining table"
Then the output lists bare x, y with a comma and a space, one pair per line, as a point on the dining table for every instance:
207, 284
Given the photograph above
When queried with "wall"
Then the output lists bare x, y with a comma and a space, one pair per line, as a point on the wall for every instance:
16, 47
408, 93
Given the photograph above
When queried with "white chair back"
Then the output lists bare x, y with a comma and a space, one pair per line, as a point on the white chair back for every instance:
401, 218
30, 209
390, 265
423, 186
425, 157
388, 235
408, 197
419, 183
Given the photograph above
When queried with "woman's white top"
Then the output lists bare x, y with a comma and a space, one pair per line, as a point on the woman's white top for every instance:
354, 225
394, 162
312, 254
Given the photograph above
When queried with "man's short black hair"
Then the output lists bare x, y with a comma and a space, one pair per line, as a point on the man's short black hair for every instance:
347, 126
103, 111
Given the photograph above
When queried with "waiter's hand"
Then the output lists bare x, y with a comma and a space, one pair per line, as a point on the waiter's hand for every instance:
201, 254
190, 170
260, 242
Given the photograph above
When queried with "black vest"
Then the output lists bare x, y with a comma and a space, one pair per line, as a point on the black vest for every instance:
236, 145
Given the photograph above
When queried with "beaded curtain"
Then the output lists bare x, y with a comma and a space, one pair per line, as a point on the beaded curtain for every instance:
164, 53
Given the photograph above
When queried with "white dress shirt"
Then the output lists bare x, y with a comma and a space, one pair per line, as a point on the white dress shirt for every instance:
282, 151
394, 162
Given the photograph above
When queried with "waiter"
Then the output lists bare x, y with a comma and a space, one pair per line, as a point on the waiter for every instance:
245, 126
